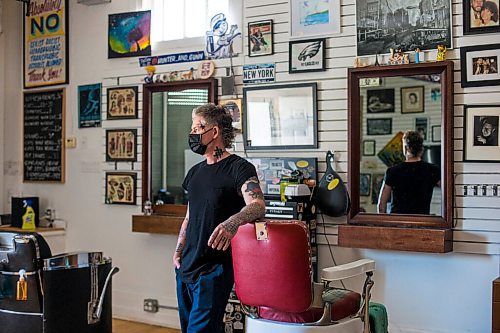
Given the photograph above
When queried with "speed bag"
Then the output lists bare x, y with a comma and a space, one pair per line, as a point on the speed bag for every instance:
331, 195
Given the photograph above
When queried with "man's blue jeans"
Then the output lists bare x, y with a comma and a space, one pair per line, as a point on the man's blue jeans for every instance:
202, 303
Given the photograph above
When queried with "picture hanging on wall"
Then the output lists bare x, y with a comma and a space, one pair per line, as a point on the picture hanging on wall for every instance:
45, 43
89, 105
311, 18
369, 147
385, 24
121, 188
121, 145
392, 153
379, 126
260, 38
436, 133
421, 126
377, 181
233, 106
122, 103
307, 56
380, 100
481, 133
129, 34
365, 184
412, 99
480, 16
479, 65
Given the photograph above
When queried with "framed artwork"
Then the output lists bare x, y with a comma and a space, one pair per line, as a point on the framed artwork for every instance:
479, 65
89, 105
129, 34
412, 99
380, 24
380, 100
365, 180
121, 188
307, 55
369, 147
122, 103
377, 181
311, 18
45, 37
260, 38
436, 94
421, 126
481, 133
379, 126
233, 107
392, 153
436, 133
480, 16
121, 145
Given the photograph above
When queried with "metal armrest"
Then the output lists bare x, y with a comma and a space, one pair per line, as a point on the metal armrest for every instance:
348, 270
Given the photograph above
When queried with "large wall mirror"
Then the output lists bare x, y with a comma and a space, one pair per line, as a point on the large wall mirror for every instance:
384, 102
167, 113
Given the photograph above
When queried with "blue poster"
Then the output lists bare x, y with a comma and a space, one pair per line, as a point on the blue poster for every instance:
89, 105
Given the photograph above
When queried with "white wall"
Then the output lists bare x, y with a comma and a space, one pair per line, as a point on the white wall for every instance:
423, 292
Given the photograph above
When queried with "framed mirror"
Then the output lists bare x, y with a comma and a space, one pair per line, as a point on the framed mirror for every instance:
167, 109
384, 102
280, 117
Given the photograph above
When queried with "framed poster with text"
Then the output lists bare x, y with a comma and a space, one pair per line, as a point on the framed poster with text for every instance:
46, 43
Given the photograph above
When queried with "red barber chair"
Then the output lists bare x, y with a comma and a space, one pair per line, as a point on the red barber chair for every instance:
274, 282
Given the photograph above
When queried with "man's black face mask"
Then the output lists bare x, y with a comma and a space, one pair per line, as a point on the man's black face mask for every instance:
195, 143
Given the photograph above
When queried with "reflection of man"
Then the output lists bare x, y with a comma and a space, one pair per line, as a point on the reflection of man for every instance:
475, 13
485, 131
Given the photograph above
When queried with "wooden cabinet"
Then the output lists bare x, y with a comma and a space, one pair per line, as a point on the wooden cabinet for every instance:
496, 306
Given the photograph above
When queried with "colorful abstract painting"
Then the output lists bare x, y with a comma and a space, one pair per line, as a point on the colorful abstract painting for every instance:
129, 34
314, 12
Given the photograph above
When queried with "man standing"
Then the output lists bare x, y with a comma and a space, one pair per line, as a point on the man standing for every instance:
475, 13
223, 193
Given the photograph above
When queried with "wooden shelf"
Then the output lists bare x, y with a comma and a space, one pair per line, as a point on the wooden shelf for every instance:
394, 238
37, 230
167, 220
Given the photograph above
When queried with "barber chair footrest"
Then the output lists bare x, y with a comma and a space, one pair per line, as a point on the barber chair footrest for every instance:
265, 326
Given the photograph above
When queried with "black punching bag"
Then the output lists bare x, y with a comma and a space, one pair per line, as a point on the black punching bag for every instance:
331, 195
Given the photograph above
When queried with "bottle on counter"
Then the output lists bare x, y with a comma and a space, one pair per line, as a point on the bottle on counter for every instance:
28, 217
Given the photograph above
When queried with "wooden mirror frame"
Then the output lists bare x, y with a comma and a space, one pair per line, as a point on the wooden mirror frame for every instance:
432, 225
147, 91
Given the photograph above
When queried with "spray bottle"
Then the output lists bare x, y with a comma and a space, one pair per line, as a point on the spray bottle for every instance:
28, 217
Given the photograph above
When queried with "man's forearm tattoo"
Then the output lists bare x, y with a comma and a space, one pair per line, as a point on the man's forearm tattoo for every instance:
182, 237
249, 213
253, 188
180, 246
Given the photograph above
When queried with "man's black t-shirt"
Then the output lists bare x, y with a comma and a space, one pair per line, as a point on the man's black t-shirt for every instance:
213, 196
412, 185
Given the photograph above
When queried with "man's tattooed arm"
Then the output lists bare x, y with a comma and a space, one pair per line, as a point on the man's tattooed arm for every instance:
181, 241
255, 208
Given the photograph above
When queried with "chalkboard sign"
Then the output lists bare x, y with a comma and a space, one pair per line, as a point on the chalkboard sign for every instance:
43, 125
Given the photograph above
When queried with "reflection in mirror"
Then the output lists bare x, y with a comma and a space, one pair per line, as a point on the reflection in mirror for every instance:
166, 126
391, 106
280, 117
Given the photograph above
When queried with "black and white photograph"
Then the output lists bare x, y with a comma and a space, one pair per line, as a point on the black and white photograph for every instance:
379, 126
480, 16
380, 100
479, 65
408, 25
307, 56
421, 126
481, 133
412, 99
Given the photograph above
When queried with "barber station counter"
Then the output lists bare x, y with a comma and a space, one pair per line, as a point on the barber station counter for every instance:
55, 237
166, 219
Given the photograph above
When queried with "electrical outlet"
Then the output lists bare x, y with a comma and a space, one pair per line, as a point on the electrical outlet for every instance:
151, 305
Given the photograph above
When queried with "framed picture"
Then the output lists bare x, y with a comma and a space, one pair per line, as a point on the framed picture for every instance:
260, 38
129, 34
379, 27
436, 133
412, 99
89, 105
369, 147
121, 188
421, 126
312, 18
307, 56
365, 180
122, 103
377, 181
392, 153
481, 133
378, 126
46, 38
479, 65
233, 106
480, 16
121, 145
380, 100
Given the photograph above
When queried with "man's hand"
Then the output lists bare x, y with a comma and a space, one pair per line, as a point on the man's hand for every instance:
177, 259
221, 237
